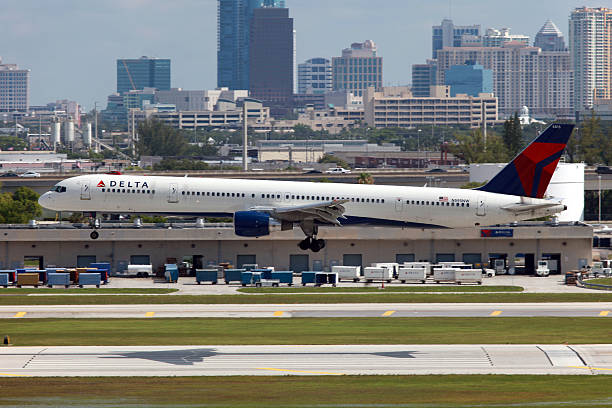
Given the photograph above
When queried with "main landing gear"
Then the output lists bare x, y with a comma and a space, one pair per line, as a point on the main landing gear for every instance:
95, 224
311, 242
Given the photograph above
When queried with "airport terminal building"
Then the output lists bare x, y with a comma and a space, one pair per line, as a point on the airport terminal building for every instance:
570, 245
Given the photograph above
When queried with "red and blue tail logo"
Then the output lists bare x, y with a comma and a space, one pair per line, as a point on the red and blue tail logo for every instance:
530, 172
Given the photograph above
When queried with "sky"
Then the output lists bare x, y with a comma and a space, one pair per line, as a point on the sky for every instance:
71, 46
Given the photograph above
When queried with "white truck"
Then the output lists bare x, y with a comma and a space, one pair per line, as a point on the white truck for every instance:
380, 274
413, 275
347, 272
542, 269
337, 170
468, 276
138, 271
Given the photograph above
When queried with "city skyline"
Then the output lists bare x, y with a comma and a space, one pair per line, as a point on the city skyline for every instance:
70, 60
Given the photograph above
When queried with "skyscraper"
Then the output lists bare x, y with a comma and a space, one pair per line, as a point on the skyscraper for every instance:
449, 35
590, 44
423, 77
14, 88
358, 68
315, 76
550, 38
496, 38
470, 79
233, 29
271, 57
144, 72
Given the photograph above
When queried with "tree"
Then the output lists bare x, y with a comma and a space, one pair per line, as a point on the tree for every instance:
471, 148
328, 158
19, 207
513, 135
365, 178
594, 144
155, 138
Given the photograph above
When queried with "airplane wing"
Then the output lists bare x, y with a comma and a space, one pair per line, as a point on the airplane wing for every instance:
325, 212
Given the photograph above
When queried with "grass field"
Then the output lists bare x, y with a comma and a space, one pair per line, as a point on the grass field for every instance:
601, 281
133, 291
400, 330
328, 298
290, 391
377, 289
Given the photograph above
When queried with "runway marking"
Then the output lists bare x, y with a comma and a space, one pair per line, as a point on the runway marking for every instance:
604, 313
278, 313
496, 313
149, 314
13, 375
20, 314
388, 313
592, 368
297, 371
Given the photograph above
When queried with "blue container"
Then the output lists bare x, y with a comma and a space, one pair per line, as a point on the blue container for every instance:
233, 275
89, 279
206, 275
323, 278
58, 278
12, 274
250, 278
308, 277
4, 279
265, 273
102, 266
171, 273
283, 277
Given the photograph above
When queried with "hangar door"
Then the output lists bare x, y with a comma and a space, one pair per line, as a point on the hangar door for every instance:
245, 259
299, 263
351, 260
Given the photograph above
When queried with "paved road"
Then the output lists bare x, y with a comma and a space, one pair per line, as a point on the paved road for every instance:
305, 360
311, 310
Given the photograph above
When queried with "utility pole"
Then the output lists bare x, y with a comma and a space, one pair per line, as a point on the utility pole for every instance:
95, 149
245, 136
484, 124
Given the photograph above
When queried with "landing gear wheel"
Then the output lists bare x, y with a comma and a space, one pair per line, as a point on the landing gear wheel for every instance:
317, 245
305, 244
94, 235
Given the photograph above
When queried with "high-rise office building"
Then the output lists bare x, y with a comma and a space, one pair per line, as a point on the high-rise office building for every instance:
470, 79
358, 68
315, 76
449, 35
590, 44
14, 88
522, 76
423, 77
549, 38
496, 38
144, 72
233, 29
271, 57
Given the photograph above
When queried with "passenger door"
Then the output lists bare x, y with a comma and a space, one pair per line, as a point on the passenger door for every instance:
481, 209
399, 204
85, 191
173, 195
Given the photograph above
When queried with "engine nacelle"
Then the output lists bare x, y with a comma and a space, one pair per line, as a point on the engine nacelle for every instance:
251, 224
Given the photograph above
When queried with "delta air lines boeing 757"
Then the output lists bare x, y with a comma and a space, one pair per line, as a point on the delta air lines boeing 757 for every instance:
516, 193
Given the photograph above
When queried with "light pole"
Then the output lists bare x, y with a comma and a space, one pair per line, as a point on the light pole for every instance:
419, 148
599, 194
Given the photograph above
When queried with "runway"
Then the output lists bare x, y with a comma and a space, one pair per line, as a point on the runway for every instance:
305, 360
389, 310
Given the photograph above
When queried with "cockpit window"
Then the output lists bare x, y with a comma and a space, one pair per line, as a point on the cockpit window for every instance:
59, 189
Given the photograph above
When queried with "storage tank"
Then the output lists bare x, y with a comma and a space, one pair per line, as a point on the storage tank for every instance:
566, 184
87, 135
56, 133
69, 131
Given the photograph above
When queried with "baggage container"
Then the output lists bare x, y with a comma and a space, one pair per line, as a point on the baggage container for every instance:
89, 278
206, 275
171, 273
12, 274
412, 275
4, 279
74, 276
104, 268
308, 277
250, 278
58, 278
468, 276
426, 265
283, 277
28, 278
233, 275
140, 271
323, 278
266, 273
347, 272
444, 275
250, 267
380, 274
389, 265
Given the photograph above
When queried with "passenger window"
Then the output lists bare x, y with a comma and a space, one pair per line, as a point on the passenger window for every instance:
467, 204
113, 190
182, 192
286, 197
148, 191
103, 190
278, 196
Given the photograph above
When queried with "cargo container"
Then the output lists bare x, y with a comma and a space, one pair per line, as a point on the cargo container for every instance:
58, 278
233, 275
412, 275
323, 278
140, 271
347, 272
12, 274
266, 273
308, 277
104, 268
468, 276
4, 279
28, 278
89, 278
283, 277
171, 273
250, 278
444, 275
207, 275
379, 274
426, 265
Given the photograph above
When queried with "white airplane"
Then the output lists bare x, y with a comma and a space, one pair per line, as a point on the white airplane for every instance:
516, 193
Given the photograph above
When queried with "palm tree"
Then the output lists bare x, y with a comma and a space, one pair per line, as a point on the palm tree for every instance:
365, 178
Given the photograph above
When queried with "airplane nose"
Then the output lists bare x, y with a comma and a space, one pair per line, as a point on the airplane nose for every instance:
45, 200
